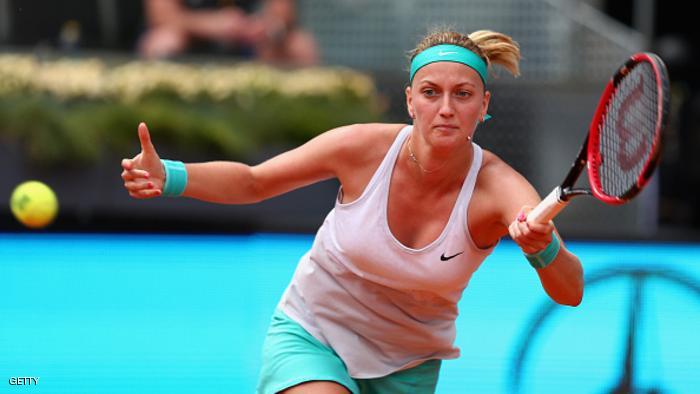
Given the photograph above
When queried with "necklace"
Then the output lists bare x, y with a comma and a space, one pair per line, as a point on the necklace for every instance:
413, 158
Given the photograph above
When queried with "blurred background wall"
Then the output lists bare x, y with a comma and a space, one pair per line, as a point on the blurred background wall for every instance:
569, 50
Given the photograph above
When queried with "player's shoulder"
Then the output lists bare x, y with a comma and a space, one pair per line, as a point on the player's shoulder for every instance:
369, 132
495, 173
363, 139
493, 165
501, 189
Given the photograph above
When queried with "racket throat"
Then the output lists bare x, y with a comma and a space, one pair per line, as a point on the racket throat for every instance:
568, 193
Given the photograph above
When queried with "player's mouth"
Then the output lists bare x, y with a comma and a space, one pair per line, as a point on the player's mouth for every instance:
446, 127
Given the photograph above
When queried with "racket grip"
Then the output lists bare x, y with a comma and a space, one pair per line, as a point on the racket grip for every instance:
548, 208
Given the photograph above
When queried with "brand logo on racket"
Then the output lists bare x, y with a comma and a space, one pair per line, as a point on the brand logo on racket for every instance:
629, 124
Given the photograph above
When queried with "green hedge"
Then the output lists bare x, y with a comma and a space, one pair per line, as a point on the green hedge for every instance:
70, 111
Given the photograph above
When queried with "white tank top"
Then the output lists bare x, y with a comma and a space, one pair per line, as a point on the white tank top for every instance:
380, 305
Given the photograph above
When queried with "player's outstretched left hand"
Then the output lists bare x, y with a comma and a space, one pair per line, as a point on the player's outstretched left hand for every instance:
143, 175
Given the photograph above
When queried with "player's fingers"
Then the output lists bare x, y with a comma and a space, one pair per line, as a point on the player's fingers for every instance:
127, 164
130, 175
139, 174
540, 228
525, 235
136, 195
524, 211
517, 231
525, 216
138, 185
530, 230
148, 193
142, 173
528, 233
528, 241
145, 138
514, 231
525, 244
533, 241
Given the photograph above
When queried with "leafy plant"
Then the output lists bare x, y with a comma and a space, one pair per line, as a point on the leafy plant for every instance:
71, 111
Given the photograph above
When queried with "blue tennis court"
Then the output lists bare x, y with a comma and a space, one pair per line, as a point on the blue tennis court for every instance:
88, 313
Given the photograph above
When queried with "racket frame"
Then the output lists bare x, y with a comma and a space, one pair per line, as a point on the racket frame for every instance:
662, 102
589, 154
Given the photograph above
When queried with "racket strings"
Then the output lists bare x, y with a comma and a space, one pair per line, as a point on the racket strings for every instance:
628, 130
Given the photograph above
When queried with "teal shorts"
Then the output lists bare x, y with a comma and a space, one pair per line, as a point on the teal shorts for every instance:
292, 356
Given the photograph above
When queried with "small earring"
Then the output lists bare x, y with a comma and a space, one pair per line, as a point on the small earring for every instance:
469, 138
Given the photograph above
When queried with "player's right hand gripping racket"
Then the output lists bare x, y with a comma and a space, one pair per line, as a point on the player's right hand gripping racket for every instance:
623, 144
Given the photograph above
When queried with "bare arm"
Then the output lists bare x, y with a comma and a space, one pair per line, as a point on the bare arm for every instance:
562, 279
237, 183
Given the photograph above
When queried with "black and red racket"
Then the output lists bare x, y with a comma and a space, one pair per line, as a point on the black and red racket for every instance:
623, 144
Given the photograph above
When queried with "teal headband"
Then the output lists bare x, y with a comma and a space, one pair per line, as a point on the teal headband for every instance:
449, 53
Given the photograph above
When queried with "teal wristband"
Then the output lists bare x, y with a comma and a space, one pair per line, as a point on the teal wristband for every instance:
175, 178
545, 256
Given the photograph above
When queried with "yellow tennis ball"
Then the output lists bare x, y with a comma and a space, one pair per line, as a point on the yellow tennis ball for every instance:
34, 204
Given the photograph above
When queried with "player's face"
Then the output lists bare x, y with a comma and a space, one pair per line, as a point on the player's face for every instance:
446, 101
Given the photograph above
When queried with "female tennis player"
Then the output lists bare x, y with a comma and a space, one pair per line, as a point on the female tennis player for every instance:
371, 307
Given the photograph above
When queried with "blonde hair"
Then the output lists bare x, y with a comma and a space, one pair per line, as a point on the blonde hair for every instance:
492, 47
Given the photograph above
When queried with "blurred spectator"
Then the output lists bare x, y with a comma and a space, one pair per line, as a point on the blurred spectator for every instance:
265, 30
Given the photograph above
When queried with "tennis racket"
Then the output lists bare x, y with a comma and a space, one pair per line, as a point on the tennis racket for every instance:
623, 144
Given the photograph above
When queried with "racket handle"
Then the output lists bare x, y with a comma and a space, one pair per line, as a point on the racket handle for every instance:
548, 208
